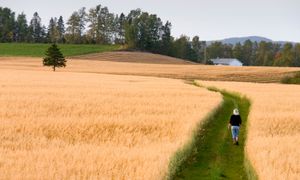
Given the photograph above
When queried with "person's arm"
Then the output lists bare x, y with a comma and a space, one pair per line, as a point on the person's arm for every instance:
229, 123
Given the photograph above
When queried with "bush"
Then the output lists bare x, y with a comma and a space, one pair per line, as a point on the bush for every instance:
295, 79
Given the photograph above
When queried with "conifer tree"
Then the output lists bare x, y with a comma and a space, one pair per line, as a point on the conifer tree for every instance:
52, 31
21, 28
54, 57
61, 30
36, 28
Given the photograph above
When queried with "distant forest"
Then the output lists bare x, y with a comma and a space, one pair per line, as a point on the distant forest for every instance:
138, 30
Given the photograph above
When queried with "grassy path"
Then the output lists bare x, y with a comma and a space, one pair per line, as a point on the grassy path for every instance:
215, 156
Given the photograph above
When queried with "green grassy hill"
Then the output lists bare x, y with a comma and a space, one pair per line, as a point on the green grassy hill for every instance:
38, 50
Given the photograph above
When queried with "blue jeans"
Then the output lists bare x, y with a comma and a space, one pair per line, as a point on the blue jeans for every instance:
235, 131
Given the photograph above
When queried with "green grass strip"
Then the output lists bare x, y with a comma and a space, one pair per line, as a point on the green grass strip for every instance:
38, 50
211, 154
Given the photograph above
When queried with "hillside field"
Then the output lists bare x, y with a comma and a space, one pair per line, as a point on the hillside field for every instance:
38, 50
161, 66
133, 57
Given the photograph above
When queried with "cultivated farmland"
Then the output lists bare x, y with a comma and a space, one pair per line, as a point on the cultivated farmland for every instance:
273, 127
134, 57
116, 120
78, 125
160, 67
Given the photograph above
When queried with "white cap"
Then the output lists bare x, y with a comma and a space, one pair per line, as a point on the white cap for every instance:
236, 111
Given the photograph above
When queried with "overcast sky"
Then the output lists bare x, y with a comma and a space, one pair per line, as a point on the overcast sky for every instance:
210, 19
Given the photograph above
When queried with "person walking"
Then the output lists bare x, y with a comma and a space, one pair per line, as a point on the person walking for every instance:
235, 123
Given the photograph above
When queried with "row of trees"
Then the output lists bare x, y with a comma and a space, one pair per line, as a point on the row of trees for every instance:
138, 31
17, 29
96, 26
258, 54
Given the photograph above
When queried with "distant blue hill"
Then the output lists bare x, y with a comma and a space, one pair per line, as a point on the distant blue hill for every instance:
235, 40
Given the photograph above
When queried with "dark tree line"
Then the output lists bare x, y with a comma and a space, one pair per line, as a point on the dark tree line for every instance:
138, 30
17, 29
258, 54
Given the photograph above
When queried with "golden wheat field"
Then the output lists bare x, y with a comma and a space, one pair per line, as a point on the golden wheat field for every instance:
110, 64
93, 126
273, 128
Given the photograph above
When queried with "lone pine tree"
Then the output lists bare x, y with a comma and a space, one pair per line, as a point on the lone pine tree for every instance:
54, 57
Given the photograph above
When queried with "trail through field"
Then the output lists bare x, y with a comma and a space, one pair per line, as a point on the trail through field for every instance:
215, 156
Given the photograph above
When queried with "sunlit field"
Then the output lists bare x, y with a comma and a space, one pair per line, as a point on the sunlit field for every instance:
79, 122
164, 67
91, 126
274, 127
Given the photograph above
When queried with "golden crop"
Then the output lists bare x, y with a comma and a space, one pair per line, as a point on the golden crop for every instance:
273, 128
164, 68
84, 125
91, 126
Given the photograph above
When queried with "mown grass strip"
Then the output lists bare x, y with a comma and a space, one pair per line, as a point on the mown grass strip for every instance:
211, 153
38, 50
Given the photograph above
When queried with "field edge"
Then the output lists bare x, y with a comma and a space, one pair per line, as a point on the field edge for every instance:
250, 171
182, 156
